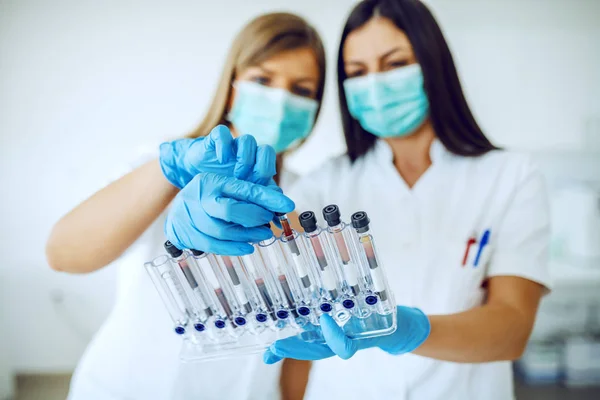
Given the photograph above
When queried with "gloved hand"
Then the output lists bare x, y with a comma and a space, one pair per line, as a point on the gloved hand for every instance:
413, 329
181, 160
261, 169
221, 214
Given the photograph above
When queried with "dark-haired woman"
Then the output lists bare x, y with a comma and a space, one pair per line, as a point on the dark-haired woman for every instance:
462, 227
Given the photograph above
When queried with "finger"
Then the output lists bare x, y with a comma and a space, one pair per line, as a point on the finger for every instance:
272, 185
265, 166
221, 140
265, 197
311, 333
184, 239
231, 232
270, 358
335, 338
294, 347
227, 248
276, 222
238, 212
246, 152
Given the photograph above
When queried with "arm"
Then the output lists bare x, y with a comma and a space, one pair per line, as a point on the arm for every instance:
294, 378
497, 330
97, 231
101, 228
500, 328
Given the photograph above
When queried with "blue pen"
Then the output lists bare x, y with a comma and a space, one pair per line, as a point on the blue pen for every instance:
482, 243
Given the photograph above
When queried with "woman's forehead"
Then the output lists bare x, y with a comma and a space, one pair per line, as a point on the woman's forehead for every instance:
376, 37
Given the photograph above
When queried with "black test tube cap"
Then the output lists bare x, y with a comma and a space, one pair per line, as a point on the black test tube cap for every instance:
197, 253
172, 250
279, 214
308, 221
360, 221
331, 213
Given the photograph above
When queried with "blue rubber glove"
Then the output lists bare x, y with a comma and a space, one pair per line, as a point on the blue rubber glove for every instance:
413, 329
263, 168
181, 160
221, 214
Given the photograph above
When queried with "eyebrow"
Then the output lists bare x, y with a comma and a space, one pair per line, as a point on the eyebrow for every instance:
299, 80
265, 70
381, 57
306, 79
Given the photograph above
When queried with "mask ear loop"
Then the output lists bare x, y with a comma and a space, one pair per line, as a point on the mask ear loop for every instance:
229, 103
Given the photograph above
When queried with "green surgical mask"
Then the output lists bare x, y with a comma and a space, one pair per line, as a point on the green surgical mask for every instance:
273, 116
388, 104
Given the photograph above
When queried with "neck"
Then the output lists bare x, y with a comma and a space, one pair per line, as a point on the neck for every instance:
411, 153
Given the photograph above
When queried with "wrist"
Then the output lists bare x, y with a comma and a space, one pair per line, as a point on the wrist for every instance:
413, 329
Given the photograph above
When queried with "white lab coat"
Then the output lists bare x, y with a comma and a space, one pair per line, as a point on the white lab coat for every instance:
421, 235
135, 354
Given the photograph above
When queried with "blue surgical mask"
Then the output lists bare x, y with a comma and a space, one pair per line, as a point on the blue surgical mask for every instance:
273, 116
388, 104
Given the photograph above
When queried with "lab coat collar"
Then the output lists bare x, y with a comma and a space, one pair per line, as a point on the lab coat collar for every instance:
384, 152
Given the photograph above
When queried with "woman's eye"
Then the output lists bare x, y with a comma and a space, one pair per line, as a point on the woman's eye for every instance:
354, 74
396, 64
262, 80
304, 92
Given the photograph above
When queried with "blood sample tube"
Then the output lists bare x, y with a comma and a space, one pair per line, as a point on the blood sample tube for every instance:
170, 291
360, 222
317, 242
197, 306
341, 237
289, 238
237, 284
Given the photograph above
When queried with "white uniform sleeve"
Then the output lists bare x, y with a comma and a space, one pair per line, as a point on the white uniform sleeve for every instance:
521, 244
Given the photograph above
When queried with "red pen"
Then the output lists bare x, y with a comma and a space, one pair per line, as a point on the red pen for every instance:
470, 242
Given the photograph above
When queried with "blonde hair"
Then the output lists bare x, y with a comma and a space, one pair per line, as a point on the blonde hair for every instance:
263, 38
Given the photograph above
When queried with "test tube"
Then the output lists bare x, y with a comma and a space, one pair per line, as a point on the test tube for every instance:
299, 272
289, 238
270, 251
320, 250
360, 222
237, 284
170, 291
205, 291
199, 305
229, 293
263, 304
204, 269
341, 237
196, 306
265, 262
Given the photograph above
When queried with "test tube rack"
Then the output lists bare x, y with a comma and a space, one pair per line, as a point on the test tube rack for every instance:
227, 306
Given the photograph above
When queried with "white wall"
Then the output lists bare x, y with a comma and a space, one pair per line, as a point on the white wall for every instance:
530, 67
84, 82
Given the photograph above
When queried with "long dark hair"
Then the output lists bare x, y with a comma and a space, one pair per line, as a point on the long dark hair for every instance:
449, 112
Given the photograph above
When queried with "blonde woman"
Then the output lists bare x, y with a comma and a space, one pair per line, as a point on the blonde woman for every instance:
277, 60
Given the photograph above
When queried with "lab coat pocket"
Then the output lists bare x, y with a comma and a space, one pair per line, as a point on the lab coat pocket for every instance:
462, 285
